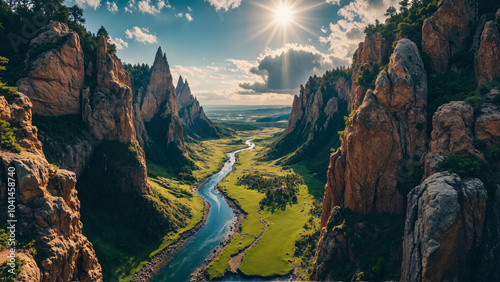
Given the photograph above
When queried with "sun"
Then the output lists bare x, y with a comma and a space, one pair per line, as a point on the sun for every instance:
283, 14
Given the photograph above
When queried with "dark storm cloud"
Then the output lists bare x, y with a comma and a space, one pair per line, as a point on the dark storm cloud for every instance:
284, 71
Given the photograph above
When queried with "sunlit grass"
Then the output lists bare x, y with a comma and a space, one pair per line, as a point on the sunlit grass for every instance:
269, 256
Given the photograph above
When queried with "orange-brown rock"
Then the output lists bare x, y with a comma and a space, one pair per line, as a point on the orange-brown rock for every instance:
362, 175
193, 118
160, 90
487, 64
56, 76
487, 126
444, 223
333, 249
18, 113
381, 140
375, 49
452, 132
48, 206
108, 109
446, 31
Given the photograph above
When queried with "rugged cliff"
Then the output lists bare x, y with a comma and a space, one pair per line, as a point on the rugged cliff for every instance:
437, 170
317, 113
55, 77
48, 209
193, 118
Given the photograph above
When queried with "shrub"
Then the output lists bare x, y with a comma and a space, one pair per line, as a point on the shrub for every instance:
8, 138
475, 101
495, 154
467, 166
341, 135
447, 87
479, 144
483, 89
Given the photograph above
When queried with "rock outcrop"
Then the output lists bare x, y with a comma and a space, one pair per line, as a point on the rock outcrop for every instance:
157, 103
445, 33
193, 118
487, 125
18, 113
160, 92
444, 222
108, 108
488, 57
364, 178
55, 76
47, 206
333, 249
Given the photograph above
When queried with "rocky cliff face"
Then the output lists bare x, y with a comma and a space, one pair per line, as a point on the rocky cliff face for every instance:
160, 92
18, 112
364, 178
193, 118
450, 221
445, 33
55, 76
47, 206
157, 100
444, 223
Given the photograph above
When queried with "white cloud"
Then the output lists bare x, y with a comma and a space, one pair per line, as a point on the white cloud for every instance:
180, 15
224, 4
88, 3
323, 29
145, 7
189, 17
119, 43
141, 35
189, 9
130, 6
335, 2
344, 35
112, 7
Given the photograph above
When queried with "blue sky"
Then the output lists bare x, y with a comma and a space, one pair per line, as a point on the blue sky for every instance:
237, 51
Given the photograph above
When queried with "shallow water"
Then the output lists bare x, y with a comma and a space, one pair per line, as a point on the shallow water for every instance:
217, 228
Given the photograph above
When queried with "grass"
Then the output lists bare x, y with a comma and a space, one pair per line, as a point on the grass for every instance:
269, 256
123, 249
221, 264
315, 186
209, 155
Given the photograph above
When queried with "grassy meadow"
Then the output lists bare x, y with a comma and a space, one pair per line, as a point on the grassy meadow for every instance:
271, 254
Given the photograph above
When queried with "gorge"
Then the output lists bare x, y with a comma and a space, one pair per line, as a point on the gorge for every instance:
384, 170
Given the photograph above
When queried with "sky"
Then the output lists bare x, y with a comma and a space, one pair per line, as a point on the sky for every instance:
237, 52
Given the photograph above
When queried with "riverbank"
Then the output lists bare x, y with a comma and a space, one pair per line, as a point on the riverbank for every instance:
159, 260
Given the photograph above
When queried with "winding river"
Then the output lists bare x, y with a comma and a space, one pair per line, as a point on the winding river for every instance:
217, 228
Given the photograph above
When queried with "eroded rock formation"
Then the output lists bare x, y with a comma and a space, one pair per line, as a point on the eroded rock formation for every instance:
364, 178
108, 108
445, 33
47, 206
444, 222
488, 57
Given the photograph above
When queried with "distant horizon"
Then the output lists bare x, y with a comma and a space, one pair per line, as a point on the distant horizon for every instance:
257, 52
